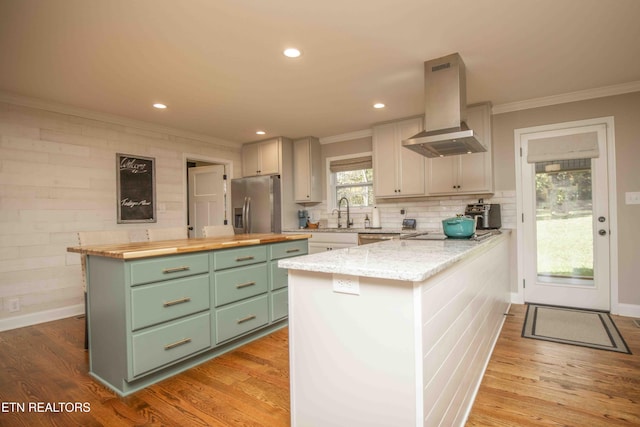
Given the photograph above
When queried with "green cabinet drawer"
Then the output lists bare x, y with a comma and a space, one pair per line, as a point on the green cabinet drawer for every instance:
279, 304
230, 258
278, 277
169, 267
240, 283
171, 342
241, 317
163, 301
288, 249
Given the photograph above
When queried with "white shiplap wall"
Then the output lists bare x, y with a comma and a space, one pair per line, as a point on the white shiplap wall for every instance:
57, 177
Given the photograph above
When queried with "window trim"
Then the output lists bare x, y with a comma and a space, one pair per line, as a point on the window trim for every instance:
331, 185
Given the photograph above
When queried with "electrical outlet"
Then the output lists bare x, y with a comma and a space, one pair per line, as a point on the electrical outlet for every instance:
14, 305
632, 198
346, 284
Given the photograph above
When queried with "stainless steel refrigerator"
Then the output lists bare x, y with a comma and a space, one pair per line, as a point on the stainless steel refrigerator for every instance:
255, 203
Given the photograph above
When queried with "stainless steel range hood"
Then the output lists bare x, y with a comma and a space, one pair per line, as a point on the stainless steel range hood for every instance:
445, 91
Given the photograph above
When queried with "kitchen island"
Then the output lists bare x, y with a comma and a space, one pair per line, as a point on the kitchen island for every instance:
396, 333
158, 308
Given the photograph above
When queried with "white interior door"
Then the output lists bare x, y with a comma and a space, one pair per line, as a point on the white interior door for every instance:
565, 205
207, 192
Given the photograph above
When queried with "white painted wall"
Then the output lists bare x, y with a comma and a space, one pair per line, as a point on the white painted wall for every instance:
57, 177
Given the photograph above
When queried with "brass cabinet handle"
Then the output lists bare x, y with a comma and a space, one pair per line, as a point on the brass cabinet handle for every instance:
293, 250
246, 319
244, 285
177, 343
176, 301
245, 258
176, 269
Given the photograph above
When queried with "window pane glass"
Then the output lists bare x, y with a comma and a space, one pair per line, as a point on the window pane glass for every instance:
358, 196
356, 186
354, 177
564, 220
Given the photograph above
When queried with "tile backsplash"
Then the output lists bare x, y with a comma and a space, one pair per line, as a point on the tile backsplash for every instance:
428, 213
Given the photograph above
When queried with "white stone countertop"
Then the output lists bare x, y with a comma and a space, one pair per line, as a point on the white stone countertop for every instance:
410, 260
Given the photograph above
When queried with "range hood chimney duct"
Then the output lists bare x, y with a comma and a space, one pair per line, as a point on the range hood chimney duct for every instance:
445, 129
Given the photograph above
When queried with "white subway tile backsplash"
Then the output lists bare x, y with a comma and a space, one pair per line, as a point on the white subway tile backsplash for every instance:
428, 213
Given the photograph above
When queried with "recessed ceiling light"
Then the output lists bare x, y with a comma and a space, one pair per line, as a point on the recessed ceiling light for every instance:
292, 52
160, 106
260, 132
378, 105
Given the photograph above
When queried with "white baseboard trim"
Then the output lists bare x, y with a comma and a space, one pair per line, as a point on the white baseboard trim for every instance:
629, 310
516, 298
41, 317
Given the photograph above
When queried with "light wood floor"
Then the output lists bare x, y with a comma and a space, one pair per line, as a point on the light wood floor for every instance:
527, 383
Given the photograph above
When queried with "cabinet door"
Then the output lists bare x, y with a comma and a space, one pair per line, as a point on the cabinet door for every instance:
411, 164
315, 248
385, 181
269, 157
250, 154
467, 173
476, 173
442, 175
302, 170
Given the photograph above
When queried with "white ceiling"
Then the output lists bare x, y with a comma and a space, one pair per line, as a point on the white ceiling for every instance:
219, 67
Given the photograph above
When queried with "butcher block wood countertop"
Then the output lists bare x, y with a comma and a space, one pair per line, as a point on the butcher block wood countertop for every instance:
138, 250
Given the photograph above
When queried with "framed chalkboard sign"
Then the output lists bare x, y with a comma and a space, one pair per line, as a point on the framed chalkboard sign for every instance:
136, 184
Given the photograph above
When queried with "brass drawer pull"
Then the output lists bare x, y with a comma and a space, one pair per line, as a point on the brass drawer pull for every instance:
177, 301
244, 285
177, 343
246, 319
176, 269
245, 258
289, 251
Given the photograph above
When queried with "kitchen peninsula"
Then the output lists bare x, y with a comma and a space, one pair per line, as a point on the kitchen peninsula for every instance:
157, 308
396, 333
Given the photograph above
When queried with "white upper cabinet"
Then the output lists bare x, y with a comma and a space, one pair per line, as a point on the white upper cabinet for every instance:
306, 171
466, 173
262, 158
398, 171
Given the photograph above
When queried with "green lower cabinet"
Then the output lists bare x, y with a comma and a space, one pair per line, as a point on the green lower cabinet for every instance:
160, 302
279, 304
151, 318
239, 318
169, 342
279, 277
236, 284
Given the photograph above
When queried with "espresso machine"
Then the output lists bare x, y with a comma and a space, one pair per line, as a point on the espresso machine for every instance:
488, 214
303, 215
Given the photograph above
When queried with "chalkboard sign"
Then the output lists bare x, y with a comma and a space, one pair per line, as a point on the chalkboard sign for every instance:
136, 188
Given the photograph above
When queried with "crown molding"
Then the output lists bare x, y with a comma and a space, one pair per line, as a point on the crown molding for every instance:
567, 97
41, 104
364, 133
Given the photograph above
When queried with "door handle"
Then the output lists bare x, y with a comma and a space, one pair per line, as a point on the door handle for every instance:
602, 232
601, 219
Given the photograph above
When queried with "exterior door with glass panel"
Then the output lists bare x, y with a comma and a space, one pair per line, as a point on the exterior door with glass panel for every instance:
566, 218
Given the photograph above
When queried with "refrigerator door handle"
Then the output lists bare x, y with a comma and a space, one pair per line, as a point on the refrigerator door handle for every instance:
248, 226
244, 215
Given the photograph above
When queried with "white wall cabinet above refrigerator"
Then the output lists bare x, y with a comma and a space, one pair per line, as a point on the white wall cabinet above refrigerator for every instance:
467, 173
307, 172
262, 158
397, 171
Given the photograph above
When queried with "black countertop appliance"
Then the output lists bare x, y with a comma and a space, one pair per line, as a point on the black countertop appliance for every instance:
488, 213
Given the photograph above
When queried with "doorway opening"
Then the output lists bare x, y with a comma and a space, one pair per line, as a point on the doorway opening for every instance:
207, 198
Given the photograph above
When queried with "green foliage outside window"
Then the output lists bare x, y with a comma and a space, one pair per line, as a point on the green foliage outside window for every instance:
356, 186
